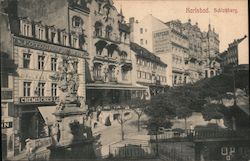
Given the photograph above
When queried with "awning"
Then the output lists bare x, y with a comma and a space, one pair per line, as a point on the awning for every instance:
115, 86
47, 113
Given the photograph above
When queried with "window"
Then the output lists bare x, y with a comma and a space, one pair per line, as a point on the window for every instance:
124, 75
64, 40
77, 21
97, 70
141, 41
108, 31
40, 89
26, 60
40, 33
138, 74
53, 89
26, 89
41, 62
53, 64
74, 43
98, 29
26, 30
141, 30
53, 35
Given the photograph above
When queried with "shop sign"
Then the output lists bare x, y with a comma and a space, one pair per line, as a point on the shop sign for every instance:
28, 100
6, 125
48, 47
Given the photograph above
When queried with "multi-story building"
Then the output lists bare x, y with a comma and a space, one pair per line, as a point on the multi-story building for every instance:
172, 46
95, 26
230, 57
210, 49
39, 51
149, 69
8, 69
141, 31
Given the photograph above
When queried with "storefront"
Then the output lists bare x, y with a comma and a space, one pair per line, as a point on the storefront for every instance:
36, 117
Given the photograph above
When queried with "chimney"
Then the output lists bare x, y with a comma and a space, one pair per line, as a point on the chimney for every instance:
189, 20
209, 27
196, 24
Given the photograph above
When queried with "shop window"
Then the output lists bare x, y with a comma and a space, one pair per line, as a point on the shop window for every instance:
41, 62
53, 64
53, 89
26, 89
77, 21
26, 60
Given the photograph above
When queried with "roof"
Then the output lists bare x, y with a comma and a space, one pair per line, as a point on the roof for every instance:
142, 52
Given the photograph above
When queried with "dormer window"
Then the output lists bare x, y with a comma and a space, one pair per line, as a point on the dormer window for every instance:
77, 21
52, 34
40, 31
26, 28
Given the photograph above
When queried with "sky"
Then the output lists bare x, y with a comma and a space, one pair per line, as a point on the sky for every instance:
229, 25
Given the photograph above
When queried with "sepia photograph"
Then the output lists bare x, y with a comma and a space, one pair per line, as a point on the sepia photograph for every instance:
124, 80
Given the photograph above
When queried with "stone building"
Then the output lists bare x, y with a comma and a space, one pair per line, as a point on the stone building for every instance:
230, 57
191, 54
8, 70
39, 51
172, 46
149, 69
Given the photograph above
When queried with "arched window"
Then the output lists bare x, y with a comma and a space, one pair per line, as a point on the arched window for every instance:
77, 21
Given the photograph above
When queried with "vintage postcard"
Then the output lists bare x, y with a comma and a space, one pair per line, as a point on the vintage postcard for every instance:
146, 80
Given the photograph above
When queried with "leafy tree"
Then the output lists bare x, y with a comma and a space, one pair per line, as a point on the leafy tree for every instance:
213, 111
184, 113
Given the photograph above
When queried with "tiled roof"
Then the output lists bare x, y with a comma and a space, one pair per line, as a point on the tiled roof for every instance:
142, 52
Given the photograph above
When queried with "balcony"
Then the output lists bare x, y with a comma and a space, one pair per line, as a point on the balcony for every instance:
124, 60
6, 93
111, 38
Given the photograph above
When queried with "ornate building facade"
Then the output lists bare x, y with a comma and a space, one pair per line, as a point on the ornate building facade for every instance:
39, 51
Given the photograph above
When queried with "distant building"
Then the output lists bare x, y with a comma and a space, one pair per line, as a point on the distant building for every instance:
230, 57
171, 45
141, 31
149, 69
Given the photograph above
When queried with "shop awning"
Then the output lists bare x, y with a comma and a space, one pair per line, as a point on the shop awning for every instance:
47, 113
115, 86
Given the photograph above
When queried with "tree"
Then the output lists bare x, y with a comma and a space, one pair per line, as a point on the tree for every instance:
138, 106
122, 119
184, 113
213, 111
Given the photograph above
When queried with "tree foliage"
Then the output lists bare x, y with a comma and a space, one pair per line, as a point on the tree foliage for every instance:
213, 111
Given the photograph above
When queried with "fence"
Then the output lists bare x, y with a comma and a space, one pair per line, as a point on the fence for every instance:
132, 151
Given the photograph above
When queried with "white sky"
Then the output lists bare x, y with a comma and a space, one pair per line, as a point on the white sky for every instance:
230, 26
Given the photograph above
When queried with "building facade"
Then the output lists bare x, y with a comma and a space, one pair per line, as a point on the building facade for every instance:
172, 46
7, 103
40, 51
149, 69
230, 57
